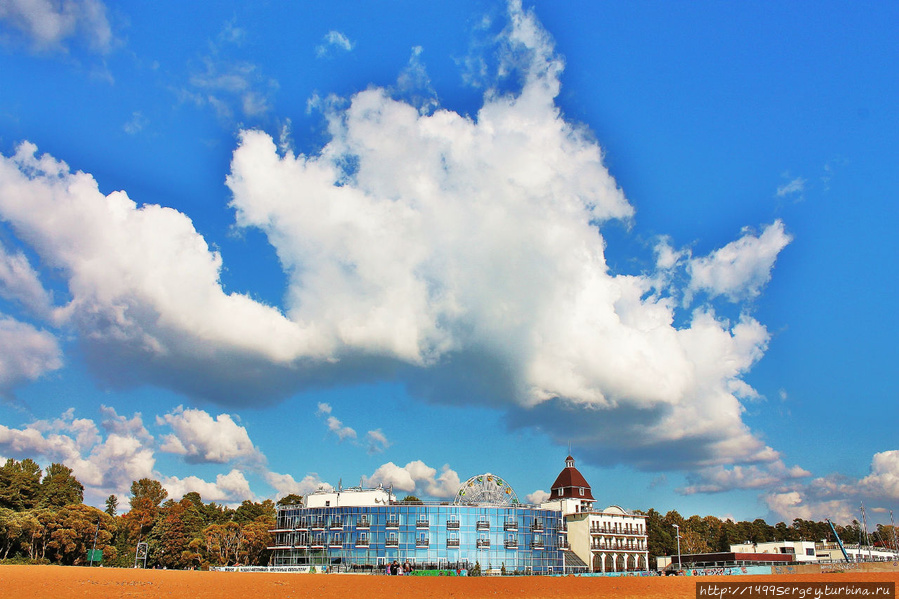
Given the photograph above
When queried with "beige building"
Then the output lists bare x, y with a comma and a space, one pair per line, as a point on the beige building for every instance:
611, 540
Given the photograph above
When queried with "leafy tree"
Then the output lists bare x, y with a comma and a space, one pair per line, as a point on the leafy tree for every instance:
146, 496
112, 504
60, 487
10, 530
178, 524
73, 532
292, 499
410, 499
20, 484
248, 511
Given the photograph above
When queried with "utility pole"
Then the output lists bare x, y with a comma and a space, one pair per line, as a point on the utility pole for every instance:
90, 562
680, 565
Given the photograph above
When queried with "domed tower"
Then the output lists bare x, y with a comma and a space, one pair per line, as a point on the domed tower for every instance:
572, 490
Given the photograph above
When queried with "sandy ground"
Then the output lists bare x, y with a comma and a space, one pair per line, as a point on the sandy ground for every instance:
59, 582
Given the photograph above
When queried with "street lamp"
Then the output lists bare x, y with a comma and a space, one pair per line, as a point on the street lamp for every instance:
680, 565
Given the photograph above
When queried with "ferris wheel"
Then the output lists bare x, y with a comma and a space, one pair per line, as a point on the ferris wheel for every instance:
486, 489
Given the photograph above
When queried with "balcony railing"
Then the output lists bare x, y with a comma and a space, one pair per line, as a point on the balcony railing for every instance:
392, 542
363, 523
336, 523
422, 542
511, 544
483, 542
510, 525
483, 525
452, 542
537, 526
393, 524
422, 523
362, 542
318, 524
537, 545
452, 524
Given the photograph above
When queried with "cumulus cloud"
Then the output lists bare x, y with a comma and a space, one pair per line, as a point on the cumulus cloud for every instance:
227, 488
49, 24
836, 496
106, 458
19, 282
537, 497
285, 484
26, 354
417, 478
102, 464
334, 41
461, 253
741, 268
719, 479
201, 438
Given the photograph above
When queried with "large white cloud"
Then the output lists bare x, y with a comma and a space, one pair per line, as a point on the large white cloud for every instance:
201, 438
463, 254
418, 478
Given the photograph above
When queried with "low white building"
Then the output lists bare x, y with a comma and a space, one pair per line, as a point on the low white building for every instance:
611, 540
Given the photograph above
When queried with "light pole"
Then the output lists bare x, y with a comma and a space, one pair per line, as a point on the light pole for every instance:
680, 566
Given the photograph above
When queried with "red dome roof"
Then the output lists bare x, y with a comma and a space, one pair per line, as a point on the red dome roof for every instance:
570, 481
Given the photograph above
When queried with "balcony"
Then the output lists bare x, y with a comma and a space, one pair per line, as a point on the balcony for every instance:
392, 542
452, 542
511, 544
422, 523
483, 543
483, 525
336, 523
510, 525
318, 543
393, 524
361, 542
320, 524
363, 523
537, 545
422, 542
537, 526
452, 524
335, 543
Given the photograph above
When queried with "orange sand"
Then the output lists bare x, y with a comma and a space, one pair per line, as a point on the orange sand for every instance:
60, 582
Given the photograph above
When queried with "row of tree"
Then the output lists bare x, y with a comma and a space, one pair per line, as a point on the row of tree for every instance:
711, 534
43, 520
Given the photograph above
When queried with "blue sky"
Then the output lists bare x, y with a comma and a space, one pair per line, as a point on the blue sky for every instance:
250, 250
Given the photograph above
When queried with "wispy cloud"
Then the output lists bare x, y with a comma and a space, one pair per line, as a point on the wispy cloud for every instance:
795, 188
333, 42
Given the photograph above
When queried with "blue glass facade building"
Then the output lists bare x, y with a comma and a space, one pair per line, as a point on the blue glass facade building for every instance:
515, 537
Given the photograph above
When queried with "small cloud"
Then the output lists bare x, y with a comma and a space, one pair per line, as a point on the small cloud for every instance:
323, 408
537, 497
136, 124
334, 41
794, 188
740, 269
377, 441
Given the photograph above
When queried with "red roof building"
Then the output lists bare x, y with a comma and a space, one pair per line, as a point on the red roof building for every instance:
570, 484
